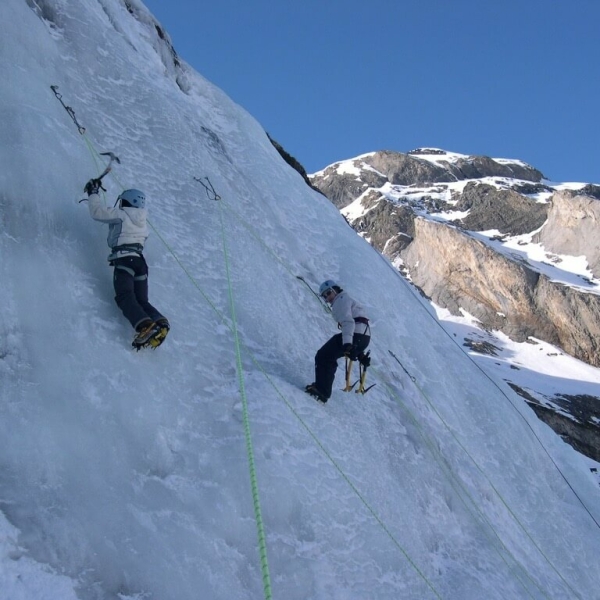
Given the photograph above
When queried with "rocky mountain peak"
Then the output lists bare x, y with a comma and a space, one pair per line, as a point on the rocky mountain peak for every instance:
344, 181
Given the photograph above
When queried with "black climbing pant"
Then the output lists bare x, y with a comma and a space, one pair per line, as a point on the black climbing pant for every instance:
130, 279
327, 357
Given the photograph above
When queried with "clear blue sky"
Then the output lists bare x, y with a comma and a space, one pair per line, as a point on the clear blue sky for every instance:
331, 79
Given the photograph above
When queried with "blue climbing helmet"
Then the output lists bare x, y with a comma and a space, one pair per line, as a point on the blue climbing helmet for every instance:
136, 198
326, 286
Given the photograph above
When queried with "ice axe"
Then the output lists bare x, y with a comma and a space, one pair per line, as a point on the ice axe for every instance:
112, 158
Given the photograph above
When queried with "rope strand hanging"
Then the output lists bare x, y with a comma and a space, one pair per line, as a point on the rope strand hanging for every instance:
262, 544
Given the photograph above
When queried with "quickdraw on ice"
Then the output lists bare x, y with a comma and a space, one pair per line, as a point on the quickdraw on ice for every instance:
208, 186
69, 110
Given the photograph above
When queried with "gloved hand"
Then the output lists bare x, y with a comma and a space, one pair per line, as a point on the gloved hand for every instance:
93, 186
350, 352
365, 359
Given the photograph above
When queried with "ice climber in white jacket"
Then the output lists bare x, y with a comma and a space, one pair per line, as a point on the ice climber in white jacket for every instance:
127, 233
351, 342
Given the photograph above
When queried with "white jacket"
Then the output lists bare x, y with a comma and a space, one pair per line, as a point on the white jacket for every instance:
344, 310
126, 226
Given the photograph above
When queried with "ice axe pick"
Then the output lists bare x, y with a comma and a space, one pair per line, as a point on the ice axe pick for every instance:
112, 158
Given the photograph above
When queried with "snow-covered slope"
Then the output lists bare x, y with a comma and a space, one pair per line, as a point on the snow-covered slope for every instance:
127, 475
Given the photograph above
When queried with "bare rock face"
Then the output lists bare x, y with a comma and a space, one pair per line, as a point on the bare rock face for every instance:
387, 226
476, 167
576, 317
457, 271
577, 425
343, 188
404, 169
505, 210
573, 227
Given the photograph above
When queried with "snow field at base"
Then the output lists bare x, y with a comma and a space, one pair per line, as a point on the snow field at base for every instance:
124, 475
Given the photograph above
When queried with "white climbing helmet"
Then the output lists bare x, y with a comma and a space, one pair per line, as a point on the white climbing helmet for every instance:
136, 198
326, 286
